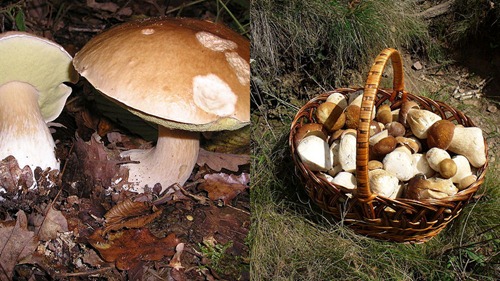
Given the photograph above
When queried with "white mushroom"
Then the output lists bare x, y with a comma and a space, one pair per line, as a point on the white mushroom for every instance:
345, 179
469, 142
435, 156
384, 183
464, 176
400, 164
32, 93
419, 162
334, 147
420, 120
315, 153
347, 150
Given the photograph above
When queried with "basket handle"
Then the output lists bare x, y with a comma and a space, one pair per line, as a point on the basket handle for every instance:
368, 102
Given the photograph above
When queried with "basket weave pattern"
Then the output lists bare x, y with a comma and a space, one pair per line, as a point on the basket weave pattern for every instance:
400, 219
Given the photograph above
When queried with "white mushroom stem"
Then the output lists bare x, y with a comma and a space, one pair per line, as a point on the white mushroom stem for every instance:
23, 131
315, 153
469, 142
171, 161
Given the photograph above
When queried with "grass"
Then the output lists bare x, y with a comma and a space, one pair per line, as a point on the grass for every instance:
291, 239
345, 36
473, 20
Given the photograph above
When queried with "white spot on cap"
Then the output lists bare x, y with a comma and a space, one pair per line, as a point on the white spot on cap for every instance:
240, 67
147, 31
213, 95
215, 43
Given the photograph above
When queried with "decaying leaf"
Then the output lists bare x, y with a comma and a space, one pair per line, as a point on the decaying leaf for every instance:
129, 247
48, 225
12, 177
224, 187
217, 161
99, 163
130, 214
16, 243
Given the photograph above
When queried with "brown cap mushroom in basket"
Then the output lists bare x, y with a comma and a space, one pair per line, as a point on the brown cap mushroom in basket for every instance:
186, 75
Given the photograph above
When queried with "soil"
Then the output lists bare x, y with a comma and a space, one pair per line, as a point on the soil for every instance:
213, 231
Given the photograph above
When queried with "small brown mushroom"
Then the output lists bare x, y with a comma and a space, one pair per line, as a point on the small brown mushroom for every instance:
447, 168
395, 129
384, 114
384, 146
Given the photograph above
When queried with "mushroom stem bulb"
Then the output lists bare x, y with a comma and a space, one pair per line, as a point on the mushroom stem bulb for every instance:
23, 131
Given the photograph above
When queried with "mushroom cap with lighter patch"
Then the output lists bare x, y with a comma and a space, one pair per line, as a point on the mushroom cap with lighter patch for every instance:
176, 72
41, 63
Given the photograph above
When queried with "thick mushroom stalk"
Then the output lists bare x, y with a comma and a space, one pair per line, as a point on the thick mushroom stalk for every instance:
23, 132
171, 161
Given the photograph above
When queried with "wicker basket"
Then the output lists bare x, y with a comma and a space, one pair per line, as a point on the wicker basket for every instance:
400, 219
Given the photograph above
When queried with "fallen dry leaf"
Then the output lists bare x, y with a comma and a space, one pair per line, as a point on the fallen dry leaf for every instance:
129, 247
218, 161
99, 164
130, 214
12, 177
223, 186
16, 243
47, 226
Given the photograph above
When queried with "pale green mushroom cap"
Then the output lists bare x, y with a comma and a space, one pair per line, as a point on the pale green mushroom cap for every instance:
42, 64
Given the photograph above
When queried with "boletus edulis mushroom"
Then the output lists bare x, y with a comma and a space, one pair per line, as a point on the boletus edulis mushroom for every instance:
32, 93
186, 75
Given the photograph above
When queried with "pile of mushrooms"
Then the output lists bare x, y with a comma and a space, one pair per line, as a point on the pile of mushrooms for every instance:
414, 153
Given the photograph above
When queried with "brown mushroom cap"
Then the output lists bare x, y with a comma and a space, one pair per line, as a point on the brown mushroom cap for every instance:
331, 116
352, 116
447, 168
384, 114
440, 134
179, 73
